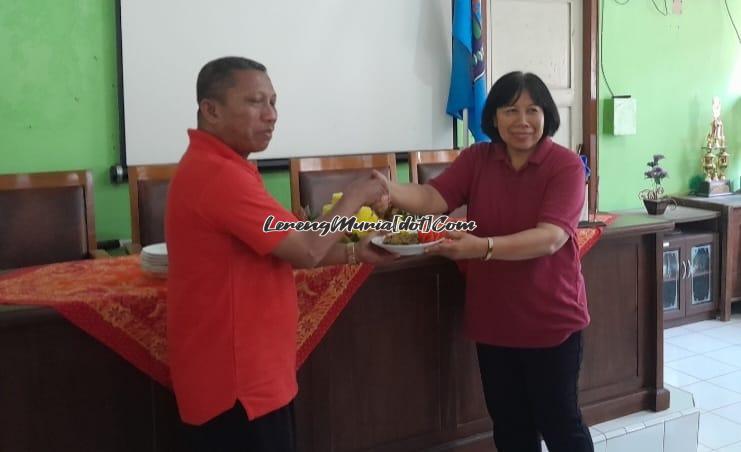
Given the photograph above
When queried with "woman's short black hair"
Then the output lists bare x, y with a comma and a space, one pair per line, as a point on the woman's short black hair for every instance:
216, 76
507, 90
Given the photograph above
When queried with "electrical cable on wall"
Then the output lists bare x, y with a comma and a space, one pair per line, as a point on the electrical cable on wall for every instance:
602, 28
602, 40
666, 8
728, 10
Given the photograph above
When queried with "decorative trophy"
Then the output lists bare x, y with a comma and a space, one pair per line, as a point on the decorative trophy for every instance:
714, 166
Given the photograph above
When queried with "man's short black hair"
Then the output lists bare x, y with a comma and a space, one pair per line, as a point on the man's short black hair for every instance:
507, 90
216, 76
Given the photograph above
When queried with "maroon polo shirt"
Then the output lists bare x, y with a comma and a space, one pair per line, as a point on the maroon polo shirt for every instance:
530, 303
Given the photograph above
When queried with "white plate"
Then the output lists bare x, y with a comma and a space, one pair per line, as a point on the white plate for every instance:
156, 250
155, 274
145, 258
403, 250
151, 258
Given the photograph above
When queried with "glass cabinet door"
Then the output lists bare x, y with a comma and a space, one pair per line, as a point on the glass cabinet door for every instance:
700, 272
671, 280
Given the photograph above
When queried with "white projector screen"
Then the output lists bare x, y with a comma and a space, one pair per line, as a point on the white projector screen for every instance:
351, 76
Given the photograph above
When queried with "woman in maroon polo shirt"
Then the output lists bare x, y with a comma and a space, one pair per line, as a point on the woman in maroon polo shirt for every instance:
525, 300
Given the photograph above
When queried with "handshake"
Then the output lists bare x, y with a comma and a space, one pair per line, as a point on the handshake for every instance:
371, 194
373, 191
364, 215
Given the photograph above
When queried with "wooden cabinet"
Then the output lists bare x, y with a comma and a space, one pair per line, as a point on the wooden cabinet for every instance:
690, 277
729, 209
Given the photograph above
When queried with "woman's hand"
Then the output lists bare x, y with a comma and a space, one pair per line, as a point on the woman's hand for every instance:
367, 191
384, 202
460, 245
414, 198
371, 254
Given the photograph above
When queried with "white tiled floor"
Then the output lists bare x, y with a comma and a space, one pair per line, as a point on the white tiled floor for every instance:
704, 358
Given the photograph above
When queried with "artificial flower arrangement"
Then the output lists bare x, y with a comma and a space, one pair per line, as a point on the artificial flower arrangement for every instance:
654, 198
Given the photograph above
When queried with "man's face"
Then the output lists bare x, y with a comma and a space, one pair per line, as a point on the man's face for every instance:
245, 118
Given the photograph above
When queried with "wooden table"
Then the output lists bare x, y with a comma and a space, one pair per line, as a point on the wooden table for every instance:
392, 374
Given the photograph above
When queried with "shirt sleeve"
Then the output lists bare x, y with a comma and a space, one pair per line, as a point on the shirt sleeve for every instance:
454, 183
238, 203
564, 197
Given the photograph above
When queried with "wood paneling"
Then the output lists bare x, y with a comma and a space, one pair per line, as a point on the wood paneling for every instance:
612, 337
392, 374
620, 372
393, 322
734, 255
60, 390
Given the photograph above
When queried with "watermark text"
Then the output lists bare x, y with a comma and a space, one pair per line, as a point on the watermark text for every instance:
426, 223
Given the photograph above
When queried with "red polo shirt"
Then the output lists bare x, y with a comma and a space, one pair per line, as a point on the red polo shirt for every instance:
231, 307
535, 302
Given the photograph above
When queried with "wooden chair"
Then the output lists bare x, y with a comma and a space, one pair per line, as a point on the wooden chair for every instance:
46, 217
314, 179
426, 165
148, 187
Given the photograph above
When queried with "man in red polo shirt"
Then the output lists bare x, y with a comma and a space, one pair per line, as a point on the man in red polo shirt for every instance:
232, 308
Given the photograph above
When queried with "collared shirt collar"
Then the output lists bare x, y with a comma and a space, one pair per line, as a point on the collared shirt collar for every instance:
537, 157
204, 141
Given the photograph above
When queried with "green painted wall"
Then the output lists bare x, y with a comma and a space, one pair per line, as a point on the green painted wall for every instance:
58, 102
59, 108
673, 66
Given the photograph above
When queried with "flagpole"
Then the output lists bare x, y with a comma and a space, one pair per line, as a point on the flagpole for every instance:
466, 133
455, 134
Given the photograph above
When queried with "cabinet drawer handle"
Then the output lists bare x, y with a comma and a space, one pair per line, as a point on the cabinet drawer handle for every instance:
690, 271
684, 269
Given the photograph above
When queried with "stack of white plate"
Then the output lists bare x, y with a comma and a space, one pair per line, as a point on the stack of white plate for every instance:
154, 259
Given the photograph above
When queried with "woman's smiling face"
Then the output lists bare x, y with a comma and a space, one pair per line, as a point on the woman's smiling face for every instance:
521, 124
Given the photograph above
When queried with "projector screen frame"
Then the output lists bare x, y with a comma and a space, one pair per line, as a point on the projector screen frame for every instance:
118, 173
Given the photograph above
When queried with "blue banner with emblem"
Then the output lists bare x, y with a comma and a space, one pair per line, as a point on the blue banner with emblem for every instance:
468, 74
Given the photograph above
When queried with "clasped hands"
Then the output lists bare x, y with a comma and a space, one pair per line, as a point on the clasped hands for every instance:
377, 191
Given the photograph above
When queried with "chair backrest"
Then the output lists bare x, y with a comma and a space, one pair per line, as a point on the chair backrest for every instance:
46, 218
148, 187
314, 179
427, 165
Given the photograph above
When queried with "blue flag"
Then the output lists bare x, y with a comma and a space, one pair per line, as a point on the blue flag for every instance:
468, 75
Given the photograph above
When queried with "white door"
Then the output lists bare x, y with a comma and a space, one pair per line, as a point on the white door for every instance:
543, 37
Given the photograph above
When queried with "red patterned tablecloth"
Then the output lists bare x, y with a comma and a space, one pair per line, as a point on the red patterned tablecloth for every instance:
124, 308
587, 237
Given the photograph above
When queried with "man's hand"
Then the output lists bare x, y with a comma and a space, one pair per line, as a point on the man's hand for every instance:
367, 191
371, 254
383, 204
414, 198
